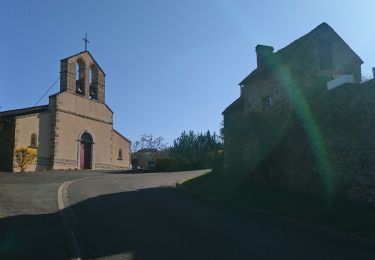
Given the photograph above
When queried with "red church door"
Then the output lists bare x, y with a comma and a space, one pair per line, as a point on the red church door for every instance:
85, 150
85, 155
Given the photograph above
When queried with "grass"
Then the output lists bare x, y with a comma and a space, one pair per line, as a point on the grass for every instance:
346, 215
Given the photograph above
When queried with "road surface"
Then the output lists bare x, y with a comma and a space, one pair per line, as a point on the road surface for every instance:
143, 216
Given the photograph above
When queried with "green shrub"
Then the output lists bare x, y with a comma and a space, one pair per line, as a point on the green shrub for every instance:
166, 164
216, 160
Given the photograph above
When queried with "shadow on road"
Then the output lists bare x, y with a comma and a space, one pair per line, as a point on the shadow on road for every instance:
32, 237
145, 224
164, 223
148, 224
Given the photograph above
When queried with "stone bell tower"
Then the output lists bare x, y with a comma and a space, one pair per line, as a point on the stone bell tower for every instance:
80, 74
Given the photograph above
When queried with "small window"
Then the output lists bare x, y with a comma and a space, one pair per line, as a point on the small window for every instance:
119, 154
267, 102
33, 140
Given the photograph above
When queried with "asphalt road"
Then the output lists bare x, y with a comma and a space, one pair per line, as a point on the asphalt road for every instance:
123, 216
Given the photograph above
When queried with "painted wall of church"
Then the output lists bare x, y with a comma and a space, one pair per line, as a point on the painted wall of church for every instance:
120, 159
83, 106
69, 129
38, 124
76, 114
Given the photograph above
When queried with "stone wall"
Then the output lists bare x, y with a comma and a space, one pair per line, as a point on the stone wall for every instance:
295, 81
304, 58
7, 130
327, 152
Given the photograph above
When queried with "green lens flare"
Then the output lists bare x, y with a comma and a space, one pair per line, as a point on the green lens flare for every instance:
306, 117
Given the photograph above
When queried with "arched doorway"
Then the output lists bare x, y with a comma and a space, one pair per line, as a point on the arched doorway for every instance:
85, 151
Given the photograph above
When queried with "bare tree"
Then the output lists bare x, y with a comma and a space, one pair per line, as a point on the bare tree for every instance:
148, 144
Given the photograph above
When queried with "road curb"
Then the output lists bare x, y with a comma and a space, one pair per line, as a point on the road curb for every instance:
68, 218
180, 182
329, 232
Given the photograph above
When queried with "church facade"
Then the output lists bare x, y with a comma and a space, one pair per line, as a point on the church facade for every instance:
74, 131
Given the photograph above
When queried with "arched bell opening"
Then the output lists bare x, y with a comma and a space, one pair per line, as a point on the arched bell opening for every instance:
80, 77
93, 82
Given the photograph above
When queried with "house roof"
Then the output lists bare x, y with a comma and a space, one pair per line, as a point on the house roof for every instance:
236, 105
92, 57
321, 27
24, 111
299, 42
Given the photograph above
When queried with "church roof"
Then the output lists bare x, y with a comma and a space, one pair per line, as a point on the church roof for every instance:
121, 135
287, 50
24, 111
92, 57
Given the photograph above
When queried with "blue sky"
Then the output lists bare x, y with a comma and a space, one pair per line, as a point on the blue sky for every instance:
171, 65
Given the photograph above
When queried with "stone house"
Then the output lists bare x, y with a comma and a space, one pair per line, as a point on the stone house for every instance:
301, 117
74, 131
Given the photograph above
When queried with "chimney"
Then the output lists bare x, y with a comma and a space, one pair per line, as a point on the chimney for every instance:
373, 72
263, 53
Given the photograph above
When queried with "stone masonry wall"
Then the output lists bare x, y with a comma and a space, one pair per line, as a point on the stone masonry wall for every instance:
338, 162
309, 139
7, 131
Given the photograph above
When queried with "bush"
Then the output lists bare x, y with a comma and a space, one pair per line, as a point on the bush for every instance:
216, 160
191, 149
25, 157
166, 164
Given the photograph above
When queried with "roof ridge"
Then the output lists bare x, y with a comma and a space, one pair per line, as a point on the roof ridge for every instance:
21, 111
117, 132
322, 26
89, 53
319, 27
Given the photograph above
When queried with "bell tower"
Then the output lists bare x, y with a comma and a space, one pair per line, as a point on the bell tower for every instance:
80, 74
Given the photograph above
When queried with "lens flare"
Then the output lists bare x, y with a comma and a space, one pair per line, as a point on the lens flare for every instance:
304, 114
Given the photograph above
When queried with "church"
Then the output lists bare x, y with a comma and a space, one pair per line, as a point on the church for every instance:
74, 131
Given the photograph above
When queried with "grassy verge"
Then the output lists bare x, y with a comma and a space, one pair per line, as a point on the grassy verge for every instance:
346, 215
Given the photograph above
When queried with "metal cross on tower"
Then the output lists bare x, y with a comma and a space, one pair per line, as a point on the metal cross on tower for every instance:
86, 41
